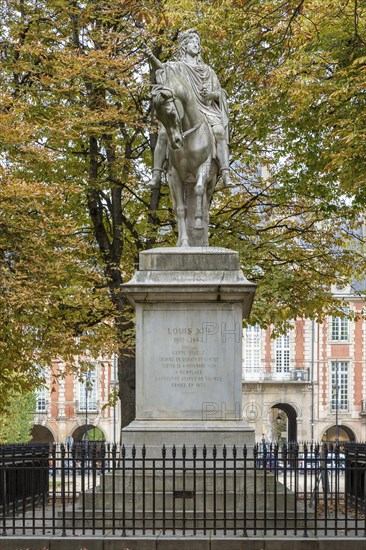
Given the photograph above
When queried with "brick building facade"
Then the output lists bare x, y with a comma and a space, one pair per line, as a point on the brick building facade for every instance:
69, 407
309, 384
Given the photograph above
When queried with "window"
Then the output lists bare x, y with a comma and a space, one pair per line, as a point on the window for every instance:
340, 328
88, 391
42, 393
252, 349
340, 375
41, 402
282, 346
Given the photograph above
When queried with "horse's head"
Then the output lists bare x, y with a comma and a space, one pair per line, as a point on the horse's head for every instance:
164, 103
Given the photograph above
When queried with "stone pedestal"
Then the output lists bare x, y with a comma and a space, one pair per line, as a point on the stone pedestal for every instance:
190, 303
189, 306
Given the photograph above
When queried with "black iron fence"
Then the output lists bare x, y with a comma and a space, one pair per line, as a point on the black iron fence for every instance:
355, 472
23, 477
107, 489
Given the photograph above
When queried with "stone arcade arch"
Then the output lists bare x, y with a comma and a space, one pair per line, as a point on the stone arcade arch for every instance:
41, 434
291, 414
80, 431
345, 433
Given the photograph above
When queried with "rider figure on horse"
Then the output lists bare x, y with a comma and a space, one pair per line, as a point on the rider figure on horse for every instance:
211, 100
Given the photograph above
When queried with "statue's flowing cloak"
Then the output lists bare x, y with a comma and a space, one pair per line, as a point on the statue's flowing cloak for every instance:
202, 76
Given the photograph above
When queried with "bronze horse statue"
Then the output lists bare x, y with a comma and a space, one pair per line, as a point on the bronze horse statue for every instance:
192, 169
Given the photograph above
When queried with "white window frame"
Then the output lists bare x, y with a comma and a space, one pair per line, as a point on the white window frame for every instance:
343, 386
340, 328
252, 350
282, 354
41, 400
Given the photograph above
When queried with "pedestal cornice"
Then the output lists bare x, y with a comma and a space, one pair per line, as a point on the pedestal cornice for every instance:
190, 275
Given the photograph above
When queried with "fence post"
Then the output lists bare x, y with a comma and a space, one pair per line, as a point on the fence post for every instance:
245, 466
163, 453
74, 466
255, 466
3, 490
143, 489
174, 452
184, 487
234, 482
214, 455
63, 488
123, 487
194, 453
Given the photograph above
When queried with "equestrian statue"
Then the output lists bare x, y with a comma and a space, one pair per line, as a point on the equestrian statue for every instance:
192, 142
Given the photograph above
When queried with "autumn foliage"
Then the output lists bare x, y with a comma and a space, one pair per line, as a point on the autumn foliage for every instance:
75, 153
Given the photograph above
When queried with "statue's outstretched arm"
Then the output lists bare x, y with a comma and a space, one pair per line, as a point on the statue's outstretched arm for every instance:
153, 60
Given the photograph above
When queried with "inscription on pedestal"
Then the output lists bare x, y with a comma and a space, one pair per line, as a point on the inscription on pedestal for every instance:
191, 360
189, 368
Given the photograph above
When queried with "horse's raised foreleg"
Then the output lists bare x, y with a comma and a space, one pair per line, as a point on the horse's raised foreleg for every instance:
177, 191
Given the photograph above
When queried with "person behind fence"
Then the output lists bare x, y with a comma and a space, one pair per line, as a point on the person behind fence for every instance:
211, 100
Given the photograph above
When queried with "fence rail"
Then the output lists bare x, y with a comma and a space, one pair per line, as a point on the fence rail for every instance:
106, 489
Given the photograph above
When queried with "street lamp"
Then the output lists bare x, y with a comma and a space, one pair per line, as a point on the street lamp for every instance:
252, 413
336, 393
88, 389
114, 385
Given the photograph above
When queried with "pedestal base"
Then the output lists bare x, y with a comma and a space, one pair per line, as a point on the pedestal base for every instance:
155, 434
